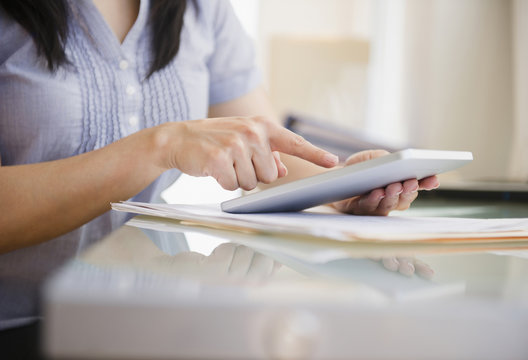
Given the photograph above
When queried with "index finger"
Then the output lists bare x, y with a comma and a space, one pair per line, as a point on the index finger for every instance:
286, 141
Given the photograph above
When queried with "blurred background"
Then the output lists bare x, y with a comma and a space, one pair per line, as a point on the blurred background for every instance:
438, 74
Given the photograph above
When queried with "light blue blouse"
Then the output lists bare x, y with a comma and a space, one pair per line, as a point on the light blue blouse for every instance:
101, 97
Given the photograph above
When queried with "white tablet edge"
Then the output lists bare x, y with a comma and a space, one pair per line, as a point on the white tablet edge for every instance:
294, 185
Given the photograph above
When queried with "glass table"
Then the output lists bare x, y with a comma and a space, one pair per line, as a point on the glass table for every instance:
142, 294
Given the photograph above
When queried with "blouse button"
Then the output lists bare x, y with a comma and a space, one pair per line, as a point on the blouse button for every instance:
130, 90
123, 64
133, 121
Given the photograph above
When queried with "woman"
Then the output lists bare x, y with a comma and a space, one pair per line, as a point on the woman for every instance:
96, 106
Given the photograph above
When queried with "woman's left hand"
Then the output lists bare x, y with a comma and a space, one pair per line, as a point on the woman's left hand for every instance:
396, 196
407, 266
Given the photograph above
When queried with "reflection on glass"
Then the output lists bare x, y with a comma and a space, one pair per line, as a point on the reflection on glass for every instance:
233, 263
229, 262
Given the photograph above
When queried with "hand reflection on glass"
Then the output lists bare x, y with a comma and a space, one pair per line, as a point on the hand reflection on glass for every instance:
229, 262
407, 266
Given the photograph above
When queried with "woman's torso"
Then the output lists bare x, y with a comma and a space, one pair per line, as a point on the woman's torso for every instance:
102, 96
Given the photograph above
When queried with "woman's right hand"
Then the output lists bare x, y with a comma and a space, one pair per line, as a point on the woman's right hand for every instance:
236, 151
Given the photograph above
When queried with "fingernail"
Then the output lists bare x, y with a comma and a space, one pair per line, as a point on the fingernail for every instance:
391, 264
331, 158
426, 273
406, 268
399, 192
434, 187
284, 169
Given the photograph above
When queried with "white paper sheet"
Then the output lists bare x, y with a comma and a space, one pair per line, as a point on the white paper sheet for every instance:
339, 227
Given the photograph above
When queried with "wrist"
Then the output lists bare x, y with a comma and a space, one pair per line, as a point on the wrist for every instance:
164, 142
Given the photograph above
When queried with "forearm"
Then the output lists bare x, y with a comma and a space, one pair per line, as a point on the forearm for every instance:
44, 200
41, 201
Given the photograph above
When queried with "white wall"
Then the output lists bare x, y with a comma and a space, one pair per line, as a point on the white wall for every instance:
385, 118
319, 18
314, 56
519, 163
458, 75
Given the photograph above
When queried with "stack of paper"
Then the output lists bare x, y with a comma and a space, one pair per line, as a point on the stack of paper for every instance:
339, 231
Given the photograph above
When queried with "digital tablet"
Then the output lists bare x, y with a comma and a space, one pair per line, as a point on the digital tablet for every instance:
349, 181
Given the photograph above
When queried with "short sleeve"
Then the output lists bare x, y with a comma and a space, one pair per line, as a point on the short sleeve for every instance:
232, 68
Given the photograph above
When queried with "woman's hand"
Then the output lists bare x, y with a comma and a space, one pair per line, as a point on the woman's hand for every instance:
236, 151
228, 263
396, 196
407, 266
